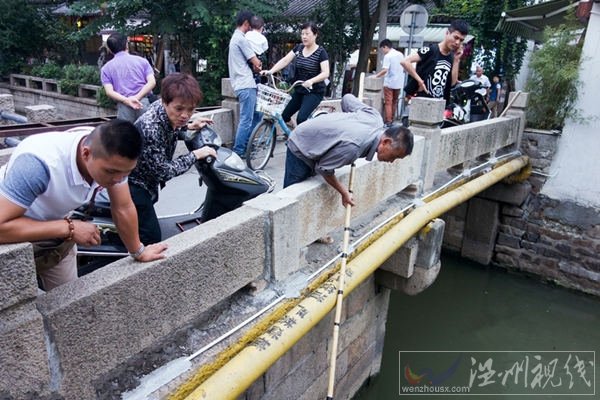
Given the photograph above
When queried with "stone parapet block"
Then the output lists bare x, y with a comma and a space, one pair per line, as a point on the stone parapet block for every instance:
426, 111
467, 142
88, 91
227, 89
373, 84
18, 283
430, 240
234, 107
7, 103
283, 243
105, 317
24, 365
402, 262
320, 209
40, 113
374, 99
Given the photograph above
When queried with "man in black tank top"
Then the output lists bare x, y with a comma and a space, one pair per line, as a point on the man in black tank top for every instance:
437, 66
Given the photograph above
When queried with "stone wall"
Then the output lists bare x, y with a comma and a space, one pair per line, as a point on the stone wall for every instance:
303, 371
528, 231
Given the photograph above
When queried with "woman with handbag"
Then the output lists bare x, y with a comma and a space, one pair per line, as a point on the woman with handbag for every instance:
311, 66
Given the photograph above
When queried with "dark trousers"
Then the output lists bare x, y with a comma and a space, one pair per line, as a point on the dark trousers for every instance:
149, 228
303, 103
296, 170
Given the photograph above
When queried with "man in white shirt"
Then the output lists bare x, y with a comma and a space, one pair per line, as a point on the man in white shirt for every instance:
51, 174
484, 80
393, 80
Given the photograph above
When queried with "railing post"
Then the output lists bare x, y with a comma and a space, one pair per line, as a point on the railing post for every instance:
517, 108
7, 104
231, 102
425, 116
374, 92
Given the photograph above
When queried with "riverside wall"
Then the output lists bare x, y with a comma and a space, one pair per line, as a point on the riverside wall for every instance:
67, 107
98, 336
520, 228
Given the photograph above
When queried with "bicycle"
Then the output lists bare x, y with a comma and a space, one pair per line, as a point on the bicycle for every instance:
270, 101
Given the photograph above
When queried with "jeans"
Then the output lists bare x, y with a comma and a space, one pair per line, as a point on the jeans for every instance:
296, 170
303, 103
148, 225
248, 119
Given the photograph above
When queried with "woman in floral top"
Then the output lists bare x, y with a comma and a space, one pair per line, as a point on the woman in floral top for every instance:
160, 126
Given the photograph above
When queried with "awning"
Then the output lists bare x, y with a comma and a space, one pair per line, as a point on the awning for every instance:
530, 22
431, 34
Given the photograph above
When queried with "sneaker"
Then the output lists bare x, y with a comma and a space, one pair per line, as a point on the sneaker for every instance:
282, 138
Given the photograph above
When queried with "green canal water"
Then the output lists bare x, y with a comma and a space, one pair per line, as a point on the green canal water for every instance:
478, 326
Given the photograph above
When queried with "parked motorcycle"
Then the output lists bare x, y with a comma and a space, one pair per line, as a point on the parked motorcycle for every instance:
466, 105
229, 184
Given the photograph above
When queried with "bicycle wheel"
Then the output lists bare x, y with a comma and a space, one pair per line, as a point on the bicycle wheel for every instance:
261, 145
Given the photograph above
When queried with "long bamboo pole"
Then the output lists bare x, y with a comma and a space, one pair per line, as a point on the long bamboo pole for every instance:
344, 259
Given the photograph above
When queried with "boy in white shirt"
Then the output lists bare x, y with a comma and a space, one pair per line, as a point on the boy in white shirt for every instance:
258, 41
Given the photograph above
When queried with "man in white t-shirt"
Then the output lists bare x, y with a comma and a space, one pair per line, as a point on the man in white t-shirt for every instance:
393, 79
49, 175
485, 82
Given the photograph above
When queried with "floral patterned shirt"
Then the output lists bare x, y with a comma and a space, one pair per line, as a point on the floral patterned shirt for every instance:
156, 164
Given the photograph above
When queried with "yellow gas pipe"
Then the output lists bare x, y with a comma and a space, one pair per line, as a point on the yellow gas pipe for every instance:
233, 378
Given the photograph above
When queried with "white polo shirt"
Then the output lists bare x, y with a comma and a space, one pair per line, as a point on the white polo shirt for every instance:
42, 175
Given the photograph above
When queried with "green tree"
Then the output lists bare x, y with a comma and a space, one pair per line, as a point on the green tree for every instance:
22, 34
192, 29
339, 34
554, 79
500, 53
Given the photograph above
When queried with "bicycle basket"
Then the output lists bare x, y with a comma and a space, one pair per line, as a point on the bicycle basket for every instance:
270, 100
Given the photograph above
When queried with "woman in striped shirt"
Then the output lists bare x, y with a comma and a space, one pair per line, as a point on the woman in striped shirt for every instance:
312, 67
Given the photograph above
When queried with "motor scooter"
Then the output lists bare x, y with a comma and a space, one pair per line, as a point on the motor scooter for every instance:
229, 183
466, 105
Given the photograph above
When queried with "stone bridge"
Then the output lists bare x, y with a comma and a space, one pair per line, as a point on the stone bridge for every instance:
98, 336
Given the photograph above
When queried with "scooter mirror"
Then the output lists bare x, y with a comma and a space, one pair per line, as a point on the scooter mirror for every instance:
203, 137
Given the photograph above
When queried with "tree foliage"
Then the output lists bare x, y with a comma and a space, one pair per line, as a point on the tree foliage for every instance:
499, 53
192, 29
554, 80
339, 34
23, 31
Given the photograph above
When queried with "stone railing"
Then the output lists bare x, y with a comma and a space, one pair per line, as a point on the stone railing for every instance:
50, 85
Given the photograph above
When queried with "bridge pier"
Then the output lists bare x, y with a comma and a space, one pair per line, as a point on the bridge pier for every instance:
416, 265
